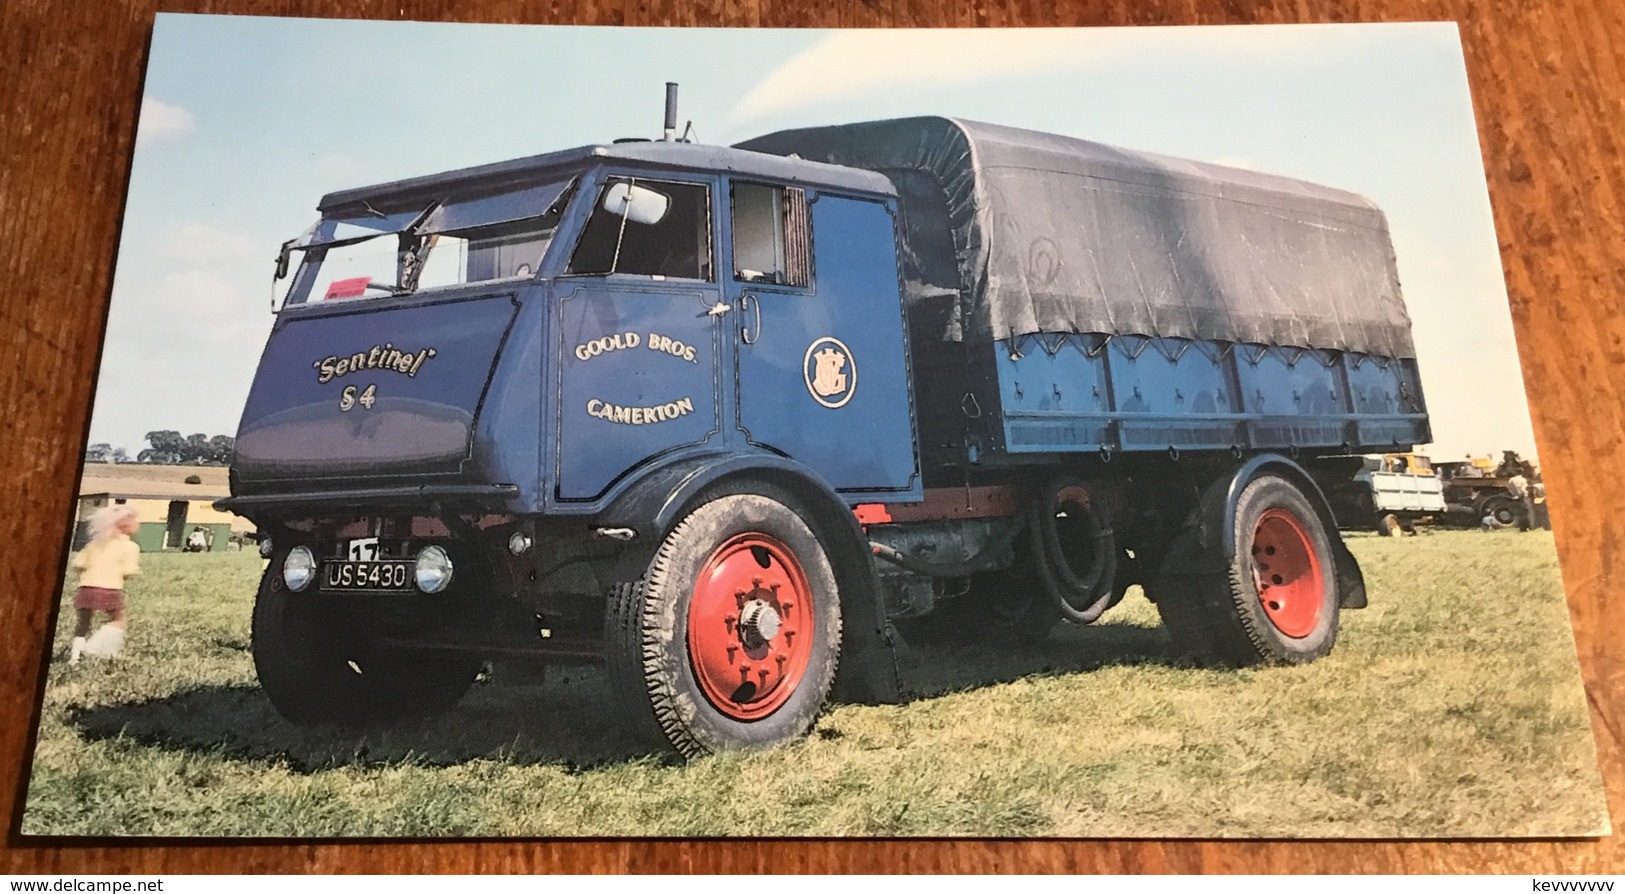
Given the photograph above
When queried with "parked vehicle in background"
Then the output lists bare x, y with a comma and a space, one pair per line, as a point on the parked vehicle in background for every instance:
1479, 488
1391, 493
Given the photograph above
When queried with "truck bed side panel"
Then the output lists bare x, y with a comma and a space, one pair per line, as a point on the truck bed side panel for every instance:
1067, 393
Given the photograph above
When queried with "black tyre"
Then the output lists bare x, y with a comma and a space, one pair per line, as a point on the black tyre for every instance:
1504, 509
1074, 551
316, 667
731, 638
1276, 602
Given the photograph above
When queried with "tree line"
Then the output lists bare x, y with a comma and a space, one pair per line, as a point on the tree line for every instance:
169, 448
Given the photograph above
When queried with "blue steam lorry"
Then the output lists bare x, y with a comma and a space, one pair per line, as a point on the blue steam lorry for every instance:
728, 419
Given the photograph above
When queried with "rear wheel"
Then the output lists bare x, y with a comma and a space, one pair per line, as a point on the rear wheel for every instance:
1276, 600
1504, 509
315, 666
731, 638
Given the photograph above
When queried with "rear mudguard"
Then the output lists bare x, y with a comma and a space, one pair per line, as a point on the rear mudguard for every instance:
867, 672
1215, 525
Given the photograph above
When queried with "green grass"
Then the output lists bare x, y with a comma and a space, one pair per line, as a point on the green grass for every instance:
1450, 707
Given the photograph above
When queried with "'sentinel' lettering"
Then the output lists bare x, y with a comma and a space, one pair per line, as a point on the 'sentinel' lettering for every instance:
385, 356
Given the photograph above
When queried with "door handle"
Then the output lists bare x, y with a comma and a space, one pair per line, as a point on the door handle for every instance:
747, 334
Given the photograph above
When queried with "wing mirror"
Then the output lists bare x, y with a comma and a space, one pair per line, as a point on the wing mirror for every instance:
636, 203
282, 259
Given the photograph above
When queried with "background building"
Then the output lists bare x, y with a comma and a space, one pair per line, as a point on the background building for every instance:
170, 501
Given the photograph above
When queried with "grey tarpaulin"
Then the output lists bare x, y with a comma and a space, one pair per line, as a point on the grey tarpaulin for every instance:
1034, 232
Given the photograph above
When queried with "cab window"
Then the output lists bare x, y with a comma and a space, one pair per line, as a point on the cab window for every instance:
770, 234
477, 256
653, 228
423, 244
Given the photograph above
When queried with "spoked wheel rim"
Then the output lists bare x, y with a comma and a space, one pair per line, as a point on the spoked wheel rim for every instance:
1287, 574
750, 626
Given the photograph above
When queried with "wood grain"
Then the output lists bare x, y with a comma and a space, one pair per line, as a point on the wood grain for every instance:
1546, 85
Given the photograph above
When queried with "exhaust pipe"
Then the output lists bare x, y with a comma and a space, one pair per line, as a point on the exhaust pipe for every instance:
671, 112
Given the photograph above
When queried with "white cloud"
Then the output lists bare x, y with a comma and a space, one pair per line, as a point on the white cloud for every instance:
190, 311
203, 300
200, 242
180, 351
848, 64
851, 64
162, 121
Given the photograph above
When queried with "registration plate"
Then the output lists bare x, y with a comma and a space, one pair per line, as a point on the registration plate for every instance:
367, 575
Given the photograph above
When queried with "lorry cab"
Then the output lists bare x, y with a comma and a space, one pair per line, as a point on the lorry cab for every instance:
492, 397
537, 331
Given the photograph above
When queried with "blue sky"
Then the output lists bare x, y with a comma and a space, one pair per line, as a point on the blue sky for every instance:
246, 121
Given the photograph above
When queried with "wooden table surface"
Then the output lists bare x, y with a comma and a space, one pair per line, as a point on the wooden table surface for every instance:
1546, 82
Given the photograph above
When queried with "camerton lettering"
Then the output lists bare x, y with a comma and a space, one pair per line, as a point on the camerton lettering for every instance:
385, 356
639, 415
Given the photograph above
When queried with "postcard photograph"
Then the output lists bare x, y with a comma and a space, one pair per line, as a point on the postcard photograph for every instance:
578, 432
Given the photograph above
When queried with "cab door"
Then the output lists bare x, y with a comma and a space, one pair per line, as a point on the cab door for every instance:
639, 337
822, 374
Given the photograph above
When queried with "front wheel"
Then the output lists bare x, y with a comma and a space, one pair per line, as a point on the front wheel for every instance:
1276, 601
732, 637
315, 666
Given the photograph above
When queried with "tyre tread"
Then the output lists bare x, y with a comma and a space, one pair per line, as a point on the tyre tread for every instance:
638, 632
1209, 616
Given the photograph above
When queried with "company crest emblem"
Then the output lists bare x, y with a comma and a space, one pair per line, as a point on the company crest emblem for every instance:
830, 371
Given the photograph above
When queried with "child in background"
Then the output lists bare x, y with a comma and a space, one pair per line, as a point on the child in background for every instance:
106, 561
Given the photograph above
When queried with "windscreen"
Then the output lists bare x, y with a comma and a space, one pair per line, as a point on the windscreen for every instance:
427, 244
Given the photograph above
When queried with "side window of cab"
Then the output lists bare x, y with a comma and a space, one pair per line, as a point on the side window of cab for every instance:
639, 227
770, 235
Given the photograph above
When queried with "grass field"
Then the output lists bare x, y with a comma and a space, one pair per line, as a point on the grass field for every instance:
1451, 707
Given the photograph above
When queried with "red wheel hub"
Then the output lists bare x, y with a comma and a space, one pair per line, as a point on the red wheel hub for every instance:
750, 626
1287, 573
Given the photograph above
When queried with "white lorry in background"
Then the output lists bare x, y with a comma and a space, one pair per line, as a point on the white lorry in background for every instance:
1404, 489
1389, 493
